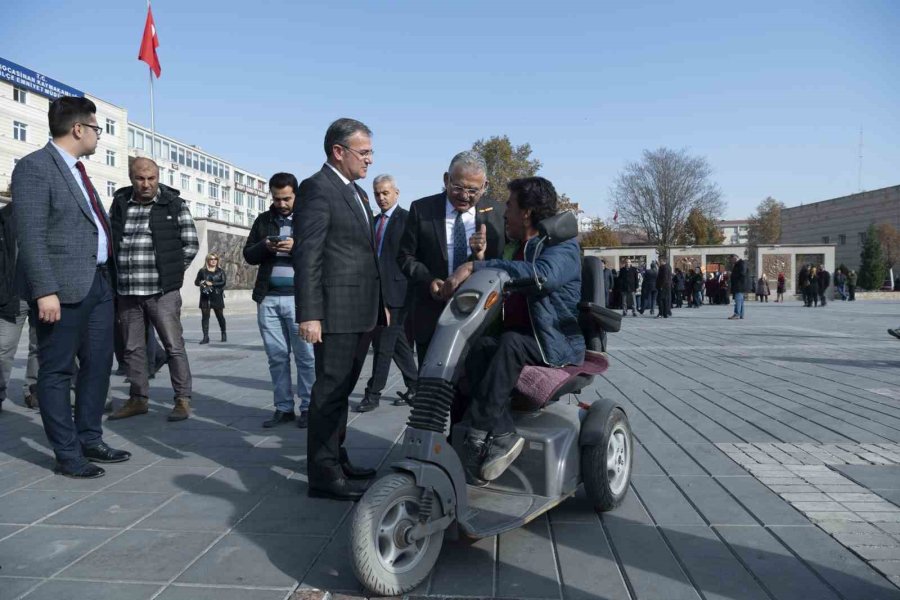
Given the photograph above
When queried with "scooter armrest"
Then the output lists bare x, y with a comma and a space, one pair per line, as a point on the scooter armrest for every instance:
609, 320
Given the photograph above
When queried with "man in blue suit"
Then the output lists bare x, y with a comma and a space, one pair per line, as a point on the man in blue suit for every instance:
65, 255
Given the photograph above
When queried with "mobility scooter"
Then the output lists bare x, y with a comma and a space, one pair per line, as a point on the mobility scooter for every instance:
398, 526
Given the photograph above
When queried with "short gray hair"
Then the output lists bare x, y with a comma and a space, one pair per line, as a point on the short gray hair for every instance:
341, 130
468, 161
384, 177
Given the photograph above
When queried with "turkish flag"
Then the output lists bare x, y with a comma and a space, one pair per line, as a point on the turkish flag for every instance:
149, 44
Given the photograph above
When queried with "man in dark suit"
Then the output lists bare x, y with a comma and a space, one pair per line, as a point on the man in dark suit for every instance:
664, 285
390, 342
65, 254
444, 231
338, 292
628, 279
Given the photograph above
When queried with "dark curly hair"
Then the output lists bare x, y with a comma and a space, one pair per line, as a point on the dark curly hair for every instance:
535, 193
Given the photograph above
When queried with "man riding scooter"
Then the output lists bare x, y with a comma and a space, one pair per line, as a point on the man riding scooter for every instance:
540, 327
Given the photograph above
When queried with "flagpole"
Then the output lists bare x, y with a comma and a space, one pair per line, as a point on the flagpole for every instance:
152, 115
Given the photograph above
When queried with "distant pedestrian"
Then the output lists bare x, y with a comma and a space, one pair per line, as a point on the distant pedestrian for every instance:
608, 275
762, 289
812, 290
664, 289
738, 281
697, 287
824, 281
779, 290
840, 282
211, 280
679, 285
851, 285
628, 284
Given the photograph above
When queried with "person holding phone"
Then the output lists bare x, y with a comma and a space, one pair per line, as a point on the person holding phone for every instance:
211, 280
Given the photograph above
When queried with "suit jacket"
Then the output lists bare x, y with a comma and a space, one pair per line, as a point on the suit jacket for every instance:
422, 256
336, 272
393, 280
56, 230
664, 277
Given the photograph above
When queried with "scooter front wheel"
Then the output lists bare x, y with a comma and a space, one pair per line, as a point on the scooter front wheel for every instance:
386, 561
606, 467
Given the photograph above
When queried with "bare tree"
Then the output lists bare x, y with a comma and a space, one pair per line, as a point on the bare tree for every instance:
505, 162
657, 193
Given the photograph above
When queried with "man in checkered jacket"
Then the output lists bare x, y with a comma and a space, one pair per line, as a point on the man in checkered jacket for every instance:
154, 242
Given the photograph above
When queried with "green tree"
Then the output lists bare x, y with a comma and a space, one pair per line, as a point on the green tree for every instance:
765, 224
505, 162
699, 230
565, 203
871, 267
889, 238
600, 237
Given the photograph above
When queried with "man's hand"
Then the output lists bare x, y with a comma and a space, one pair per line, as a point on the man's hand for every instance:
48, 309
311, 331
435, 289
455, 280
273, 248
285, 246
478, 242
387, 316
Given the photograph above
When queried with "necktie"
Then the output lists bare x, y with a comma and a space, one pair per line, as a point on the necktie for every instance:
362, 205
460, 246
95, 205
379, 233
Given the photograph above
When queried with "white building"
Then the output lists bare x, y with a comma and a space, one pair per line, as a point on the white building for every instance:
212, 187
736, 232
25, 98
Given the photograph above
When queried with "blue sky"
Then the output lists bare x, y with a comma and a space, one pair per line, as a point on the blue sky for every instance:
772, 94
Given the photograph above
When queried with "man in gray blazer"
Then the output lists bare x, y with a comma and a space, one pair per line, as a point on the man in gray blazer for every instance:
65, 255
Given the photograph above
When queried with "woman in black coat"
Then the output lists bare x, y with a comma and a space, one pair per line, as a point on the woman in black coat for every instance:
211, 281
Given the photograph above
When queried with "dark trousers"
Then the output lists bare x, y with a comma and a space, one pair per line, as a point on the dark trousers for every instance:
852, 289
85, 331
204, 318
679, 298
665, 302
164, 312
339, 360
391, 343
492, 368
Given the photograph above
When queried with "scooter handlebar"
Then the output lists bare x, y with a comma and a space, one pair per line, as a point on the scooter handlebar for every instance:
523, 283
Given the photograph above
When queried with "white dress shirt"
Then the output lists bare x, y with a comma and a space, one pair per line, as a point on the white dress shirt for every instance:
468, 219
102, 254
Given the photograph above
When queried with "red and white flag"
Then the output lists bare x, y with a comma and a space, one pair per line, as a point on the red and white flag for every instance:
149, 44
616, 216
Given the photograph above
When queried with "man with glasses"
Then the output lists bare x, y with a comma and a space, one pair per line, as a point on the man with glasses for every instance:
65, 252
339, 300
155, 241
444, 231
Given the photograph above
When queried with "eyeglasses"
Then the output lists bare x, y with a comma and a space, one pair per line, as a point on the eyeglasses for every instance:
363, 154
460, 190
97, 129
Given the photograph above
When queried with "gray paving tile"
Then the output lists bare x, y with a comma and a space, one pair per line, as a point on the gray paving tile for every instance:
332, 569
713, 460
711, 564
526, 567
80, 590
162, 479
26, 506
196, 512
665, 503
180, 592
673, 459
14, 587
141, 556
773, 565
109, 509
575, 509
295, 514
41, 551
835, 564
764, 504
251, 559
465, 568
6, 530
715, 504
588, 569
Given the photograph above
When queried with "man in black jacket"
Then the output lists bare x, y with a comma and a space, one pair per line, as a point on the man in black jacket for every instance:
154, 241
607, 282
443, 232
13, 314
269, 245
824, 281
390, 341
628, 280
738, 282
664, 288
339, 303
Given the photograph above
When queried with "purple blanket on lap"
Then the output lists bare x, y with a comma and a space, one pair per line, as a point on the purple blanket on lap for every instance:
537, 385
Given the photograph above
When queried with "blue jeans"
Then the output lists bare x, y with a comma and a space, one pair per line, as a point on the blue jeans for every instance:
280, 335
739, 304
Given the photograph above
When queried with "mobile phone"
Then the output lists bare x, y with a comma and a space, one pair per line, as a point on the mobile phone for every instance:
274, 239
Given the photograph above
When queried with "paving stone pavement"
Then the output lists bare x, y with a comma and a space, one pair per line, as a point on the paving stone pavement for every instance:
766, 466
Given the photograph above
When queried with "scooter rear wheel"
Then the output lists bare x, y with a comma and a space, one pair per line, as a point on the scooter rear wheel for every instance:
606, 467
384, 560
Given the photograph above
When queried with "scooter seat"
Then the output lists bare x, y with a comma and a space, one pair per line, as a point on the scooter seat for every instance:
539, 386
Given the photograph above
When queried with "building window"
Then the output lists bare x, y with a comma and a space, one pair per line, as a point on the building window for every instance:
826, 239
130, 137
251, 183
213, 190
185, 182
225, 194
226, 215
196, 162
238, 177
201, 210
181, 156
238, 197
110, 188
227, 173
200, 186
111, 158
842, 239
110, 127
212, 212
19, 95
173, 156
20, 131
862, 237
139, 140
261, 202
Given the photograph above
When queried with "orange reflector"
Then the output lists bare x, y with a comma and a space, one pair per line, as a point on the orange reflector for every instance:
437, 448
584, 405
491, 300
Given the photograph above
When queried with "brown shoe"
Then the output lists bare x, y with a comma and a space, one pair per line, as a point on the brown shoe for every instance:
31, 400
182, 409
131, 408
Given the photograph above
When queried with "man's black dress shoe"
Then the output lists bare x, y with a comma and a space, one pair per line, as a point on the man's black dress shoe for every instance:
303, 420
368, 403
406, 398
278, 418
101, 453
352, 472
337, 489
86, 471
